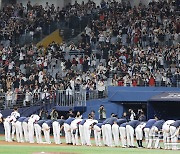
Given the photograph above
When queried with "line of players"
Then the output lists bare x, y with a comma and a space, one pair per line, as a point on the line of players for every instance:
112, 131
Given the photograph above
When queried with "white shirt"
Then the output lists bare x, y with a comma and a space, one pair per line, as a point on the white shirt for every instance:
33, 118
76, 121
15, 114
1, 115
89, 122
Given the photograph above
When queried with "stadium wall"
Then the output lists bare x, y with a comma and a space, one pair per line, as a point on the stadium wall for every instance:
93, 105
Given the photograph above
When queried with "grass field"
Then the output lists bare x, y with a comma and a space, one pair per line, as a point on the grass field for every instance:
26, 148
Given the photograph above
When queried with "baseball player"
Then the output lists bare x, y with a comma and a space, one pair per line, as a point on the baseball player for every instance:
130, 127
7, 128
15, 114
38, 132
154, 131
139, 134
25, 129
147, 128
19, 130
104, 135
108, 128
123, 134
67, 130
115, 130
57, 127
32, 119
174, 132
81, 131
97, 133
46, 129
166, 133
87, 130
74, 131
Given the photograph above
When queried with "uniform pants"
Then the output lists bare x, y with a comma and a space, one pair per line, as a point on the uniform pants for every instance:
25, 131
174, 137
7, 128
146, 132
130, 135
46, 131
104, 135
97, 135
67, 131
87, 134
81, 133
115, 132
74, 134
123, 136
19, 131
13, 125
166, 136
152, 138
31, 132
108, 131
56, 132
37, 129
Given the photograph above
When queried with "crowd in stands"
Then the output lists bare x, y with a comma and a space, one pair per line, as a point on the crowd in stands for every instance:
122, 46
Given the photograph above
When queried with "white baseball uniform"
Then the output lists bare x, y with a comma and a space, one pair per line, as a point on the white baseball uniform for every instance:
16, 115
33, 118
74, 131
87, 130
25, 129
97, 134
166, 133
56, 130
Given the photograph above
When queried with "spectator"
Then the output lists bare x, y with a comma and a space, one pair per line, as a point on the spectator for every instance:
102, 113
54, 114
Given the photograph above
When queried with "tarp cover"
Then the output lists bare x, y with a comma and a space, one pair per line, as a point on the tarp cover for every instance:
166, 96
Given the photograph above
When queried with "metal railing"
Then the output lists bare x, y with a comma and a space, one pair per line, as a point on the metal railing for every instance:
77, 98
26, 99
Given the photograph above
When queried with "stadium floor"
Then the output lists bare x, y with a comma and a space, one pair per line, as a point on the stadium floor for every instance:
27, 148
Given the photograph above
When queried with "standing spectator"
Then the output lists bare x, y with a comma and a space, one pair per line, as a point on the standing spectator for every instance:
43, 115
54, 114
102, 113
101, 88
9, 98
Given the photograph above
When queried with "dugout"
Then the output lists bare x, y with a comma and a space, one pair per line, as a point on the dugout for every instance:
166, 105
162, 101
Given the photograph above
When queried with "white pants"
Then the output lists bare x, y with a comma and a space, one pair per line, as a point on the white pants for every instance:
56, 132
46, 131
174, 137
104, 134
87, 134
139, 132
31, 132
130, 135
19, 132
81, 133
152, 138
97, 135
74, 134
25, 130
123, 136
108, 131
37, 129
67, 131
115, 132
166, 136
146, 132
13, 129
7, 128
